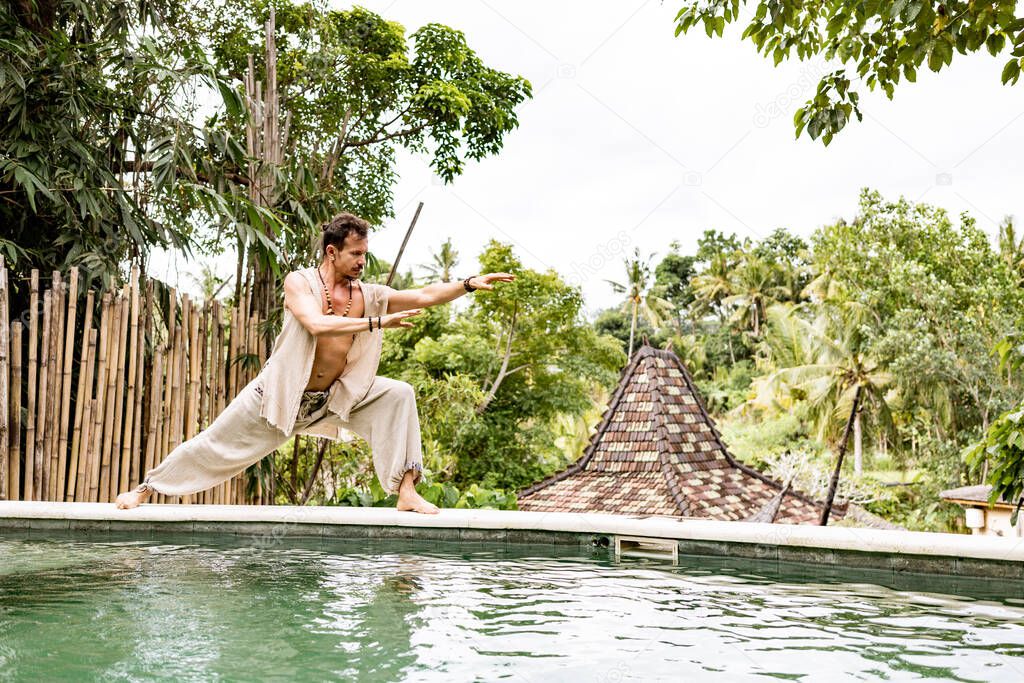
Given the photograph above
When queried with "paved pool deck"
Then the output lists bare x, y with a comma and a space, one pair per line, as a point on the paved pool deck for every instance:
833, 546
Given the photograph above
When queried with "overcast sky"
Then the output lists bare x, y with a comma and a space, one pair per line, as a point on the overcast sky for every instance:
635, 138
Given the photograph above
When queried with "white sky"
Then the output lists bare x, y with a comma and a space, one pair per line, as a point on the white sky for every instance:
636, 138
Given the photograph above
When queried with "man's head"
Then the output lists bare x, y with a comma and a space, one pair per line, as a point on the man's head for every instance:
345, 243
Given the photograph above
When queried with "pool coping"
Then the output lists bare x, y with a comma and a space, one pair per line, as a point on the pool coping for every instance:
836, 546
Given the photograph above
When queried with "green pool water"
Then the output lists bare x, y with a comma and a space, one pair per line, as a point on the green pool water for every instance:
238, 609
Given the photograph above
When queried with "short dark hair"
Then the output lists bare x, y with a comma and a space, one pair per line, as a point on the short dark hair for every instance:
341, 226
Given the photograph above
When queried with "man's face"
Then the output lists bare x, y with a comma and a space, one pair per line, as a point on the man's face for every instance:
350, 260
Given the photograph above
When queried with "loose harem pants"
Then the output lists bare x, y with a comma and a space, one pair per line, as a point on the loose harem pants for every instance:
239, 436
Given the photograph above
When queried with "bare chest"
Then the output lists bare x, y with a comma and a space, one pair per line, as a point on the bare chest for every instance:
332, 351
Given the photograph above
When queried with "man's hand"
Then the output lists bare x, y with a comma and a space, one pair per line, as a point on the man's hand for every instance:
440, 292
398, 319
484, 281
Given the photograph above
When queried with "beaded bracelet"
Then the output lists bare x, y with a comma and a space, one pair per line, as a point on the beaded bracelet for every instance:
369, 321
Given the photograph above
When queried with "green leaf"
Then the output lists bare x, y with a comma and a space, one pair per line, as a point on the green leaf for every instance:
1011, 71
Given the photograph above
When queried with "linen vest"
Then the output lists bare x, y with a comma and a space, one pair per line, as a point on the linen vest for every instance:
285, 374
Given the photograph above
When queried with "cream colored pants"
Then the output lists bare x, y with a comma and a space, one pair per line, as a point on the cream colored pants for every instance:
239, 436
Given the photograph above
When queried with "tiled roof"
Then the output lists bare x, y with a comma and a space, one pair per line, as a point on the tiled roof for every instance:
974, 494
657, 452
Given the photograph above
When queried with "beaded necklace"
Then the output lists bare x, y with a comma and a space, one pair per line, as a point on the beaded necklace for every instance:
330, 304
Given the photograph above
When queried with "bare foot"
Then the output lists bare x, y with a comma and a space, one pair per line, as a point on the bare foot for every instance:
409, 500
130, 499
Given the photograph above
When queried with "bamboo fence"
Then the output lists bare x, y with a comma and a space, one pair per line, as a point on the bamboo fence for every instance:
94, 393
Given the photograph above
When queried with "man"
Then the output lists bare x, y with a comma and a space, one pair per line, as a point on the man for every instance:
321, 378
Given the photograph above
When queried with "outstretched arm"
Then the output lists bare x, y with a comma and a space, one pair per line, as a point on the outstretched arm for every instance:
441, 292
305, 306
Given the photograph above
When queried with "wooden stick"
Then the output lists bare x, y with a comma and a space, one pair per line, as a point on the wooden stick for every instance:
405, 240
65, 402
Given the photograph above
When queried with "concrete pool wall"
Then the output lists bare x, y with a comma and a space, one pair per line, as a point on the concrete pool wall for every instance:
834, 547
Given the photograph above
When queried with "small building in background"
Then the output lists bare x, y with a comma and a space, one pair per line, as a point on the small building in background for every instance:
657, 452
980, 518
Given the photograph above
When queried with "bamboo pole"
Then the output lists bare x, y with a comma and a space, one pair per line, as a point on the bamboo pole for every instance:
39, 454
255, 347
165, 407
30, 427
138, 457
116, 464
46, 390
5, 391
14, 474
96, 433
174, 382
153, 426
56, 389
202, 383
110, 407
85, 449
178, 388
182, 387
232, 365
82, 395
128, 451
65, 402
217, 358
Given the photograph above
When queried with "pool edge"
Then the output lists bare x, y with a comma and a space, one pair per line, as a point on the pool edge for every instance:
901, 552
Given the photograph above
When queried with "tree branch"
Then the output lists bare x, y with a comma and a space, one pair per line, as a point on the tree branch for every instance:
136, 166
503, 372
389, 136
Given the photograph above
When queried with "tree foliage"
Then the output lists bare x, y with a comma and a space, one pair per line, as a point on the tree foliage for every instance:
874, 42
494, 381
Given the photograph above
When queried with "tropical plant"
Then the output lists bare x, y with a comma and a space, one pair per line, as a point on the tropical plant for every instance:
100, 160
442, 262
640, 297
1011, 249
1003, 446
755, 283
838, 379
522, 356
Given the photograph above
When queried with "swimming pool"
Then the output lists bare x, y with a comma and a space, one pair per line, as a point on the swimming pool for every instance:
227, 608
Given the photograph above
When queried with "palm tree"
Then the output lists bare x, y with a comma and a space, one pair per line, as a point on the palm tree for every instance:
640, 295
443, 262
712, 287
835, 374
1011, 249
755, 284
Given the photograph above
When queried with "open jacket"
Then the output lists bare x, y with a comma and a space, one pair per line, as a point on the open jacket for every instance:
285, 374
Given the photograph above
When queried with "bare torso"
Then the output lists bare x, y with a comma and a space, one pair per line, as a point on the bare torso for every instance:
332, 351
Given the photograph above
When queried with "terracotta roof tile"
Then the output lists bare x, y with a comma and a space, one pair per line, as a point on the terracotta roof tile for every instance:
657, 452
